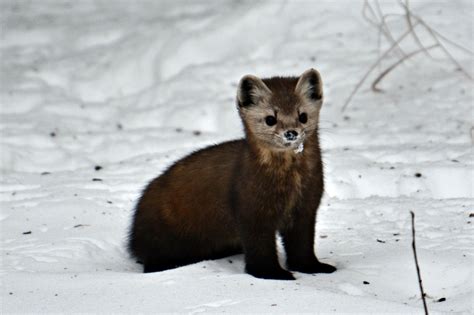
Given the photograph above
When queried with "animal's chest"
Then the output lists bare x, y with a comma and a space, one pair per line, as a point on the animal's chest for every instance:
278, 186
287, 188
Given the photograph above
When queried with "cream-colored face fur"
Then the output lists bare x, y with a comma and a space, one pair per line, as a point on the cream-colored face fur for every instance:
281, 116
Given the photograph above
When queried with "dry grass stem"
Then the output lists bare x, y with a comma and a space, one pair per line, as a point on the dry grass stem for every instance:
374, 15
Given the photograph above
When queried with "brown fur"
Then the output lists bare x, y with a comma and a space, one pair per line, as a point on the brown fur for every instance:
237, 195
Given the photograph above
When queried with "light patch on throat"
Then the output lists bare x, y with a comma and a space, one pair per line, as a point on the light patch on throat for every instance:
299, 149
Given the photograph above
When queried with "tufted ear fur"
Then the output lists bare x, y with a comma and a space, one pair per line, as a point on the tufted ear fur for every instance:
251, 91
310, 86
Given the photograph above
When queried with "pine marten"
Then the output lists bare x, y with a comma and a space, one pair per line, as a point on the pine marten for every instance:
235, 196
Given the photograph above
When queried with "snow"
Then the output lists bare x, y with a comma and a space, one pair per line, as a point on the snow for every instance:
133, 86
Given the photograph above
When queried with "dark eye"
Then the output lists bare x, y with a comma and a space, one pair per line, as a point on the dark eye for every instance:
270, 120
303, 118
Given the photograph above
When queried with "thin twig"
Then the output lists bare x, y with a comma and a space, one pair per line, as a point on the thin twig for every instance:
379, 21
459, 46
374, 65
416, 262
393, 66
387, 31
434, 36
436, 33
379, 33
410, 26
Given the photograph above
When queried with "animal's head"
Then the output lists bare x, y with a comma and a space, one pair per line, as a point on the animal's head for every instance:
280, 112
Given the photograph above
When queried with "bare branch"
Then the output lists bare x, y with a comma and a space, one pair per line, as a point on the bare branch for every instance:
459, 46
386, 28
393, 66
376, 17
410, 26
434, 36
436, 33
374, 65
416, 262
379, 20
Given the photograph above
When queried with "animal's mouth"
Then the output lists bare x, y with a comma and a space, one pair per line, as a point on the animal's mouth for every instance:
281, 144
296, 145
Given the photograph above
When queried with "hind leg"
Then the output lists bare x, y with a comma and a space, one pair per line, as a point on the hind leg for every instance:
170, 253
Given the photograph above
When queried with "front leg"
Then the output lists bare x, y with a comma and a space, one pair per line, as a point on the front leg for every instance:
298, 241
261, 259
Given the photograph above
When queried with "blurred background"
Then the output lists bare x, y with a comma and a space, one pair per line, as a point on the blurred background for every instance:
83, 68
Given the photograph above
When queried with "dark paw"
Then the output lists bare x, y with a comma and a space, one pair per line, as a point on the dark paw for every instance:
276, 274
313, 268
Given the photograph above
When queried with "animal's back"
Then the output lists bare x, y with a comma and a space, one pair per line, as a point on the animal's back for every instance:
189, 204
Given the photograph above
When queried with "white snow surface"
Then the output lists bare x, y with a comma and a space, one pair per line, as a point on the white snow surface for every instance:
132, 86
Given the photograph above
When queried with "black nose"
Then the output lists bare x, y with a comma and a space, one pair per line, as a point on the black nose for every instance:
291, 135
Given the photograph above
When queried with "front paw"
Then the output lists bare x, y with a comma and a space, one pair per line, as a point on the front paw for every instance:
274, 274
316, 267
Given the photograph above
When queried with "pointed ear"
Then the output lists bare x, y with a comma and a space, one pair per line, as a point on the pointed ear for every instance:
310, 86
251, 91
